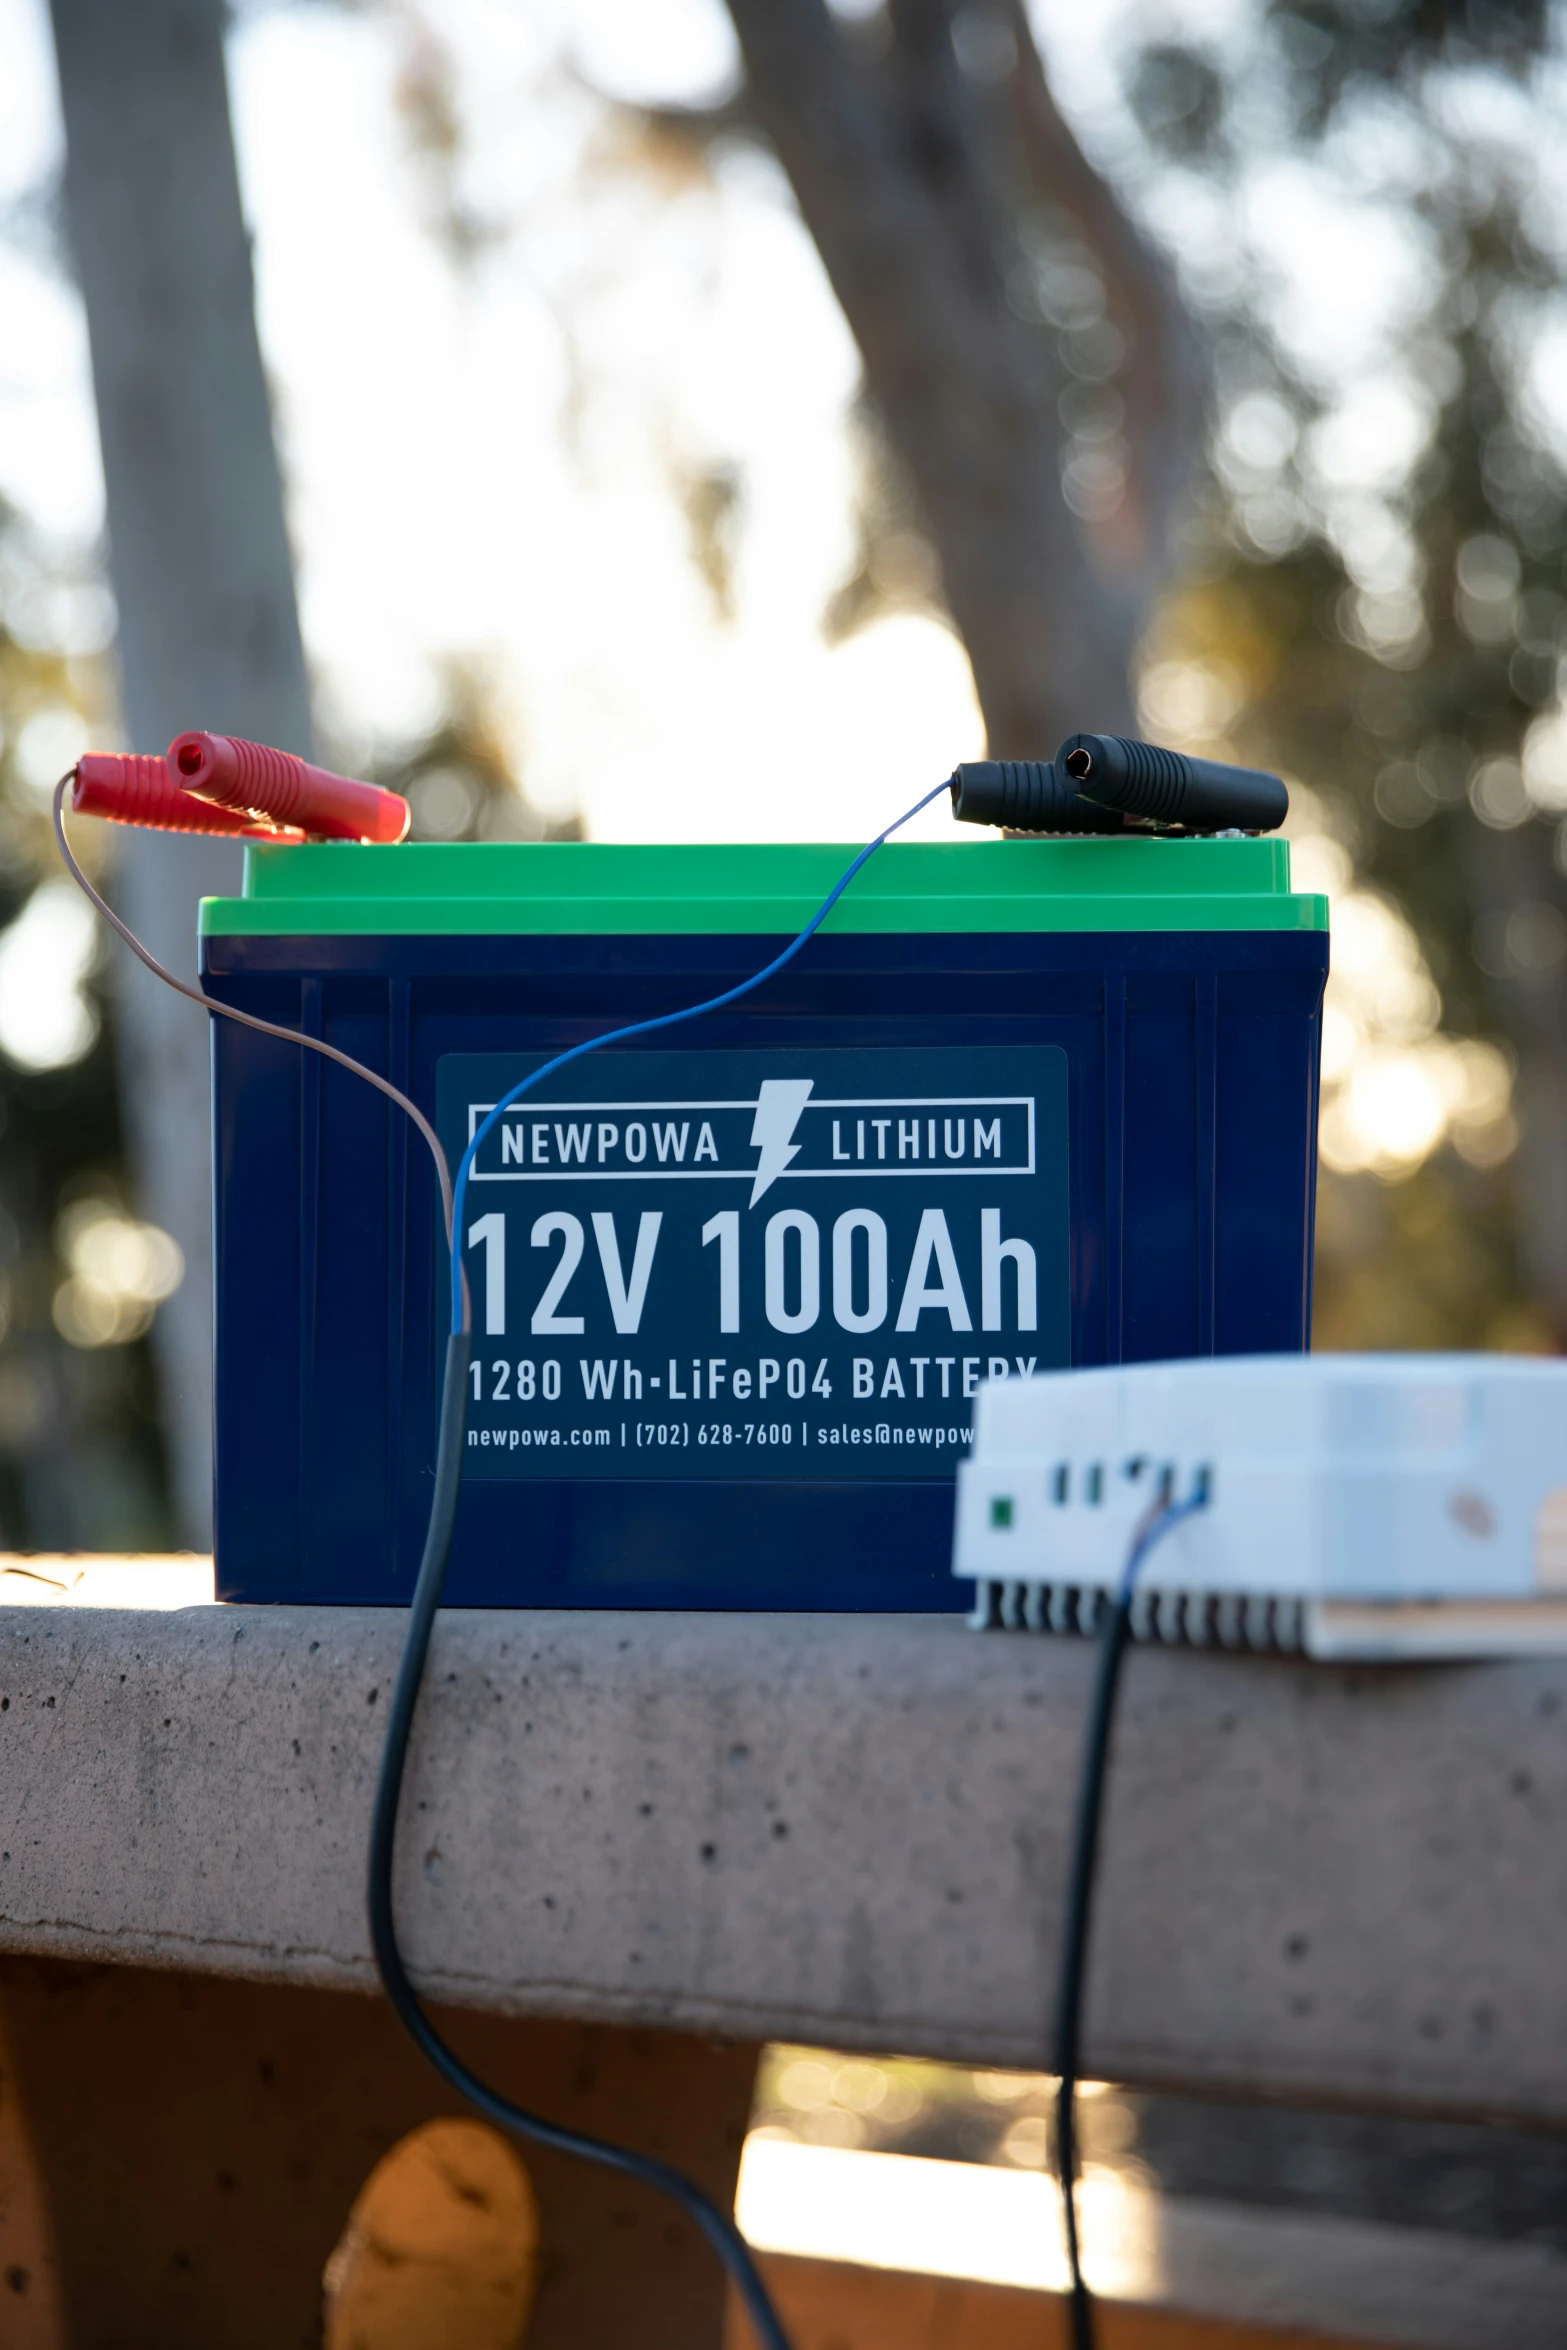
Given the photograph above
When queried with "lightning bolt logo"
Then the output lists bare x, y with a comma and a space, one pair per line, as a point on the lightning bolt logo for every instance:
779, 1102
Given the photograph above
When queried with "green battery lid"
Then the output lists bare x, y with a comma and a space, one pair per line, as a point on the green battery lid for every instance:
540, 888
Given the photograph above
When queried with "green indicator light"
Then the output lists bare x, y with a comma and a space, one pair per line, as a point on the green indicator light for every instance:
1001, 1509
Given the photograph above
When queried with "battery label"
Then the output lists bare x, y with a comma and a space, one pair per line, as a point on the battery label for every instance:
757, 1264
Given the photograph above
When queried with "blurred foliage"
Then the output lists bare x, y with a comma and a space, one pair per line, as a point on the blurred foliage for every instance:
1427, 1261
894, 567
1369, 593
1375, 568
945, 2112
712, 498
459, 778
426, 99
81, 1459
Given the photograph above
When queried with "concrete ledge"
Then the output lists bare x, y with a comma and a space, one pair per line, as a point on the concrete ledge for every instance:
1318, 1881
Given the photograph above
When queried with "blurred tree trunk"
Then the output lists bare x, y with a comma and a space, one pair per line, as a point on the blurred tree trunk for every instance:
208, 631
951, 207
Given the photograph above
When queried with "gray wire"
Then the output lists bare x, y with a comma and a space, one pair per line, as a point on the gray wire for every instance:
313, 1044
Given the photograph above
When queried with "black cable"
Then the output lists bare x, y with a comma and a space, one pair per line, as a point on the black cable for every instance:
720, 2231
1113, 1631
1074, 1948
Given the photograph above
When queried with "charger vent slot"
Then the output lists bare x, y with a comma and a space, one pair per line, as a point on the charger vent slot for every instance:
1245, 1621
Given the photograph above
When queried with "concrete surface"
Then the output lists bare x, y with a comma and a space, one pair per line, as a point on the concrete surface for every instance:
1337, 1883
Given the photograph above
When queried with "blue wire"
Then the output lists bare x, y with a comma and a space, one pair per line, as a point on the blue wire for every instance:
1153, 1533
645, 1028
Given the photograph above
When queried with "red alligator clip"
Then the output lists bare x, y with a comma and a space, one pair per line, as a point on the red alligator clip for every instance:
132, 790
286, 790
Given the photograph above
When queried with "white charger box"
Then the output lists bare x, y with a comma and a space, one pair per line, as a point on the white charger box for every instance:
1358, 1506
